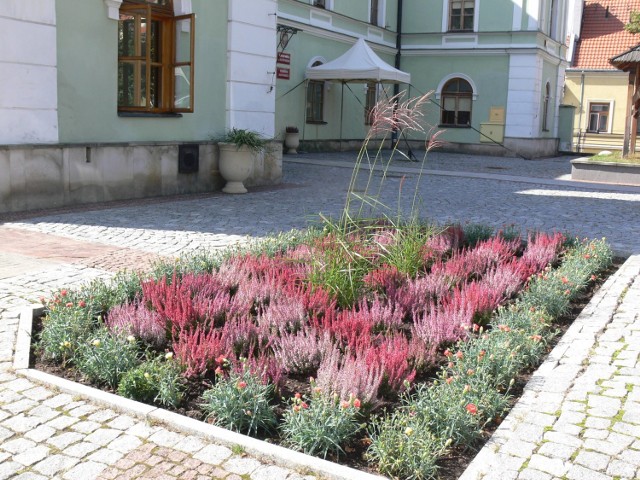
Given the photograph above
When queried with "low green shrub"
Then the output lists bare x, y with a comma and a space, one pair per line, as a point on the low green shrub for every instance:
403, 447
104, 357
159, 380
240, 402
322, 424
67, 324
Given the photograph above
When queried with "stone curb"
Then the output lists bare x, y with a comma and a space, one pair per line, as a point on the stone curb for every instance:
261, 450
567, 353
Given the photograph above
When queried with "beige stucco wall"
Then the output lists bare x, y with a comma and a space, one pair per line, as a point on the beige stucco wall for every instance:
599, 87
39, 177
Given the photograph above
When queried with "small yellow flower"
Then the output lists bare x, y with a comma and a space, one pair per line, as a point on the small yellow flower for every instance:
169, 355
96, 343
146, 375
408, 431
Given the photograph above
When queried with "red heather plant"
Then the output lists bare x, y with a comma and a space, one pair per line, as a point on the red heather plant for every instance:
172, 300
134, 319
393, 355
478, 298
197, 350
385, 279
301, 352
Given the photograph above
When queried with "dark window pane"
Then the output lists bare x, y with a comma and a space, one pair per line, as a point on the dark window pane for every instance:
126, 84
126, 36
155, 88
155, 41
464, 118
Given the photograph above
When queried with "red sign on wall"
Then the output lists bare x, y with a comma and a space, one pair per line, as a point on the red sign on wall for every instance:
284, 58
283, 73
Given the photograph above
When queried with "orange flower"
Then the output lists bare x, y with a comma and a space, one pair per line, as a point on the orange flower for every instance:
459, 355
344, 404
356, 403
471, 408
298, 396
242, 385
447, 353
449, 380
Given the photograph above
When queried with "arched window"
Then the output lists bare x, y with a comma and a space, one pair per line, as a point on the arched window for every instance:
456, 99
315, 99
545, 108
155, 58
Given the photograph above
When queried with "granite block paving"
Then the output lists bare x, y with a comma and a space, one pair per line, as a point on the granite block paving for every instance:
580, 420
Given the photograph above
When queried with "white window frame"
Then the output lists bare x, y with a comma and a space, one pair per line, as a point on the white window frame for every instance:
451, 76
591, 101
328, 4
382, 8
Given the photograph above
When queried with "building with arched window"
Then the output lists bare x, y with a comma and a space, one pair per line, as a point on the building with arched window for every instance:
112, 99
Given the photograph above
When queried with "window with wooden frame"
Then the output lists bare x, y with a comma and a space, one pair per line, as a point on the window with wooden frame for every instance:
461, 15
370, 102
374, 13
319, 3
315, 101
155, 58
456, 98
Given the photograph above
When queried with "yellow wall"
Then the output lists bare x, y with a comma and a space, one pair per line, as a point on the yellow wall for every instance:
598, 87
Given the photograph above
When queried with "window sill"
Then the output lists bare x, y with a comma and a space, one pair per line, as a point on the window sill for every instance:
444, 125
316, 122
149, 115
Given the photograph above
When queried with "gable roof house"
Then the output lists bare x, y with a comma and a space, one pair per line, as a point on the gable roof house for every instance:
595, 87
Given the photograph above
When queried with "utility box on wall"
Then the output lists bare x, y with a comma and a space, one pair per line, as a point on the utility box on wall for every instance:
491, 132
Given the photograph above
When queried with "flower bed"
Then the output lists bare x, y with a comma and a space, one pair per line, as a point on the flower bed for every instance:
411, 335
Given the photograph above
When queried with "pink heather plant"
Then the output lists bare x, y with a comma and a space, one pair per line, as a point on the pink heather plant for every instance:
284, 313
348, 375
301, 352
542, 249
134, 319
442, 324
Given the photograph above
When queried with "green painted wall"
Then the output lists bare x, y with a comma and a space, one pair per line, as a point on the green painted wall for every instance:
87, 83
422, 16
347, 101
489, 73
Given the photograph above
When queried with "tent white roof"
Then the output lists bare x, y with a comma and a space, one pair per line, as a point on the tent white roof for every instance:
358, 64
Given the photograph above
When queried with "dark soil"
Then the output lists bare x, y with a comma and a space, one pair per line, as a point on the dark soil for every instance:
450, 466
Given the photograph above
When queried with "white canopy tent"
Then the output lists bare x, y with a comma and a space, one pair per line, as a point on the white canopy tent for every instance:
359, 64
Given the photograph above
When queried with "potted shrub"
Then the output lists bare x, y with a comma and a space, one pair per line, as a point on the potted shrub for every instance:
238, 149
291, 139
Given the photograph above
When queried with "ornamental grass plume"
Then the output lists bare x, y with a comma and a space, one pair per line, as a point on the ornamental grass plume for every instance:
388, 115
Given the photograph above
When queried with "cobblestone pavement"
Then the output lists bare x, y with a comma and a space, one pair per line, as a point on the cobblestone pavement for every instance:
584, 423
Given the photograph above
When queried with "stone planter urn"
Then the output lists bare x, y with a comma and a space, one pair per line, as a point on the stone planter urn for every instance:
236, 165
291, 139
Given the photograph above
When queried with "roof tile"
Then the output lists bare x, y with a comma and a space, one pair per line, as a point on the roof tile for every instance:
603, 35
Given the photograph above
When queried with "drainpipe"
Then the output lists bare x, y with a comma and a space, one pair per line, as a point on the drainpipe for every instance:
396, 86
581, 101
580, 114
